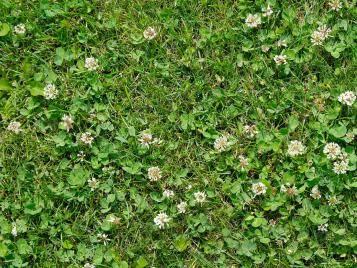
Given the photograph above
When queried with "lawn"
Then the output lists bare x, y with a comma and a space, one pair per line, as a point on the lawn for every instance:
177, 133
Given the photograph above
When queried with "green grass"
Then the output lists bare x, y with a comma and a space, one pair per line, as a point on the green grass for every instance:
202, 77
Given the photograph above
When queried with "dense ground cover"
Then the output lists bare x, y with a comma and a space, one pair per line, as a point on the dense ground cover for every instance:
177, 133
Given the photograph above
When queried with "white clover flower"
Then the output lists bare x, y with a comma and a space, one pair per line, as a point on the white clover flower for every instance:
322, 227
92, 115
317, 38
87, 138
265, 48
347, 98
332, 200
81, 156
67, 122
274, 222
189, 187
267, 12
20, 28
282, 43
93, 183
250, 131
221, 143
89, 265
14, 229
289, 190
315, 192
149, 33
332, 150
114, 220
296, 148
168, 193
181, 207
200, 197
154, 173
50, 92
335, 5
343, 156
325, 31
161, 220
253, 21
109, 169
91, 63
340, 167
350, 136
146, 139
280, 59
14, 127
320, 35
243, 162
259, 188
283, 188
157, 141
103, 238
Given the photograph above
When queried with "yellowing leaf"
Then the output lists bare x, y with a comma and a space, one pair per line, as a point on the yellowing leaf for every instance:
4, 29
181, 243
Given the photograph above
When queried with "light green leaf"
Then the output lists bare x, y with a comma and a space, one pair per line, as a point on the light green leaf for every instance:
258, 221
133, 168
67, 244
131, 131
247, 247
78, 176
36, 89
181, 243
338, 132
60, 54
23, 247
5, 85
317, 219
4, 29
293, 122
141, 262
3, 250
123, 264
340, 231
